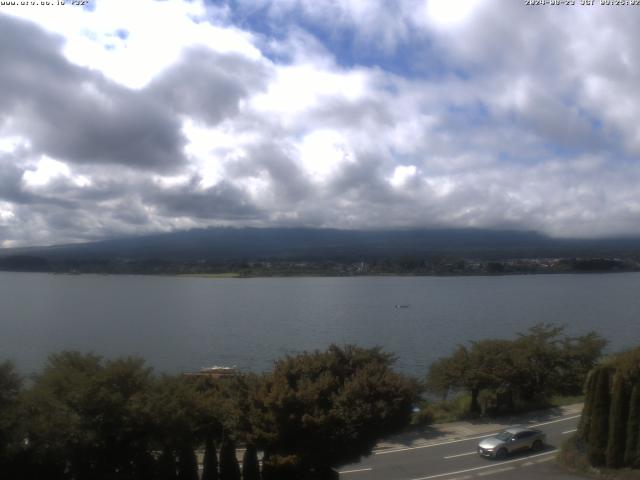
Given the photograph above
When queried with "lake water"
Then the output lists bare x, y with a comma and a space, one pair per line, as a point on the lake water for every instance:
181, 324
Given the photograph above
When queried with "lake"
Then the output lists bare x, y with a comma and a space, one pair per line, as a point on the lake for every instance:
183, 323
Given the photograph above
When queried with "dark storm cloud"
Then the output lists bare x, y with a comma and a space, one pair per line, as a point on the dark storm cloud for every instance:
274, 159
12, 187
363, 180
222, 201
77, 115
11, 182
208, 85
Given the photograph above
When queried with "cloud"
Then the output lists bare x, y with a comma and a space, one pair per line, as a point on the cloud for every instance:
75, 114
222, 201
208, 86
345, 114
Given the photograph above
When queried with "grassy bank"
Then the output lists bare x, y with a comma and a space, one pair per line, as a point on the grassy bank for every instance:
456, 409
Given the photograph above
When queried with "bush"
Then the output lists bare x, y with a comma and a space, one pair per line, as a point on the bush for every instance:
424, 417
573, 455
450, 410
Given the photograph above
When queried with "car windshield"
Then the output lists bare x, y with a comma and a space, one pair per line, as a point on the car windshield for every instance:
504, 436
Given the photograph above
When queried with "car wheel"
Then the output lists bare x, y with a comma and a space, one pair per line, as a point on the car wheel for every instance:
537, 446
501, 454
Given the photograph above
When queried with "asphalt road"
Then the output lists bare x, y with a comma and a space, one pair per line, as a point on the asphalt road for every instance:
458, 460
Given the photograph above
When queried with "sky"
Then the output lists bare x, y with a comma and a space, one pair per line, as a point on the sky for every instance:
123, 117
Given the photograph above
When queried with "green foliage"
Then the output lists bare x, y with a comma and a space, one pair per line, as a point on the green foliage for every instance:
445, 374
610, 423
599, 430
10, 387
187, 464
452, 409
632, 447
572, 455
167, 465
210, 462
585, 419
250, 466
229, 468
87, 413
331, 407
618, 414
282, 467
579, 356
539, 361
423, 417
527, 371
10, 384
628, 364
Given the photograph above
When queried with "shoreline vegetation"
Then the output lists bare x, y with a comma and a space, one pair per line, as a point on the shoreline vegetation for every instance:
311, 413
406, 267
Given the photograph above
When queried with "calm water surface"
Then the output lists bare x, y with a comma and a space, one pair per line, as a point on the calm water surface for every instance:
181, 324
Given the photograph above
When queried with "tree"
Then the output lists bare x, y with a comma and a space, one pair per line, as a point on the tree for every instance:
618, 416
599, 429
250, 466
167, 465
632, 446
85, 415
10, 388
210, 463
188, 464
487, 364
229, 468
445, 374
538, 361
579, 356
585, 419
529, 369
58, 437
328, 408
610, 423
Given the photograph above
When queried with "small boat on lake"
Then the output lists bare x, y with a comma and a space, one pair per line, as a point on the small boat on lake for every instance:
402, 306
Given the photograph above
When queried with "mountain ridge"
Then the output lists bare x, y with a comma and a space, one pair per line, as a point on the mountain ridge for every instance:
230, 243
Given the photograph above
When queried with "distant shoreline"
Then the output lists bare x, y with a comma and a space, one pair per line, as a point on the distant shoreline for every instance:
236, 275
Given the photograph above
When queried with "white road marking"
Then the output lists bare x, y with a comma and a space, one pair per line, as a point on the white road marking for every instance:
386, 452
466, 477
355, 471
555, 421
528, 464
505, 469
483, 467
570, 431
460, 455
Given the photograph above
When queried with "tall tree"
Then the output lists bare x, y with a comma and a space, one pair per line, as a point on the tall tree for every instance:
578, 356
328, 408
167, 465
250, 466
618, 417
539, 359
632, 446
229, 468
585, 419
599, 430
187, 464
210, 463
10, 387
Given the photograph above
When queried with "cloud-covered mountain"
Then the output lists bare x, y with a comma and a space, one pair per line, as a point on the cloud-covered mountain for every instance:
224, 244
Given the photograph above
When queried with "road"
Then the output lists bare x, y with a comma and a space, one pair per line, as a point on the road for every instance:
457, 459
